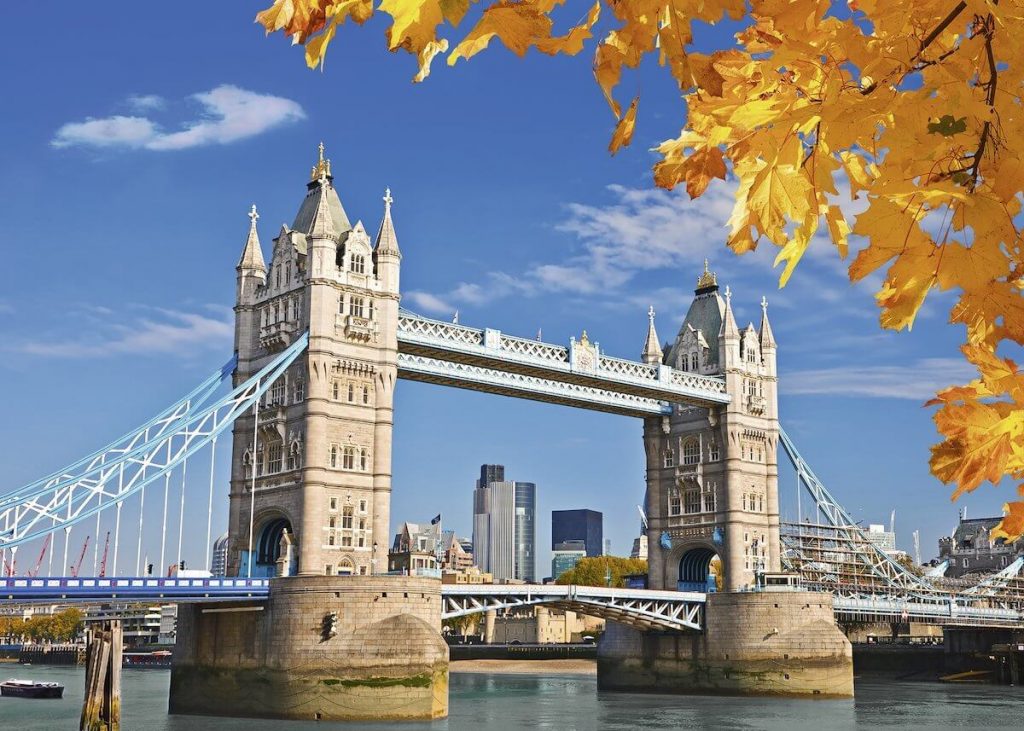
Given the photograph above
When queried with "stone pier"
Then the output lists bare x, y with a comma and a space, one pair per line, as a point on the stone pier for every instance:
321, 648
754, 643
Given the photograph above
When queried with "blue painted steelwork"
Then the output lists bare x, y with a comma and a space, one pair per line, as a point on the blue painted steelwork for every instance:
83, 589
168, 417
103, 486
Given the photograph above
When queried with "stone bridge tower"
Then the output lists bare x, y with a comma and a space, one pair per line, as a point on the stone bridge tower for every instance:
320, 458
712, 473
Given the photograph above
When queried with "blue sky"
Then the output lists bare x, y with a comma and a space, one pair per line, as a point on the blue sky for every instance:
137, 145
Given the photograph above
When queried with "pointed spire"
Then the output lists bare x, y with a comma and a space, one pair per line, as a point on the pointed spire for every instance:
766, 336
387, 239
707, 281
322, 225
322, 170
652, 353
252, 254
729, 329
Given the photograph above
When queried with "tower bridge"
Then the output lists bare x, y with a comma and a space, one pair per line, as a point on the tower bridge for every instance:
320, 343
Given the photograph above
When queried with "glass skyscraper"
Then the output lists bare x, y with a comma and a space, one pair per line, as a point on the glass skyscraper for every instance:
504, 525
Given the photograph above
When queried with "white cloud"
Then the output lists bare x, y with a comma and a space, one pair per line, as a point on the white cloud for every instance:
145, 102
917, 381
229, 114
428, 302
159, 332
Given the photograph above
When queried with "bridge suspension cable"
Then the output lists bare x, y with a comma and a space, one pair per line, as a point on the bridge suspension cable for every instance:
106, 479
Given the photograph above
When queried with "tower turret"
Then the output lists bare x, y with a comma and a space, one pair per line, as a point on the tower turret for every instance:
767, 339
652, 353
386, 254
251, 276
729, 335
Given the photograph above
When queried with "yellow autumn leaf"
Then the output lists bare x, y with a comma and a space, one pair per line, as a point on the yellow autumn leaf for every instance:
624, 129
916, 107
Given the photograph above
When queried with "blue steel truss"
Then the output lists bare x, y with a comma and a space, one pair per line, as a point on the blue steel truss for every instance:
107, 478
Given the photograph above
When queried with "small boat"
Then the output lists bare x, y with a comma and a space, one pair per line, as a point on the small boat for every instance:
30, 689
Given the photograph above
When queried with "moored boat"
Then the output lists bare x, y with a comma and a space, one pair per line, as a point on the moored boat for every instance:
15, 688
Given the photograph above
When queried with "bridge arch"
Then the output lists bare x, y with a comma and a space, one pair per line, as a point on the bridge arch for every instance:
267, 543
696, 567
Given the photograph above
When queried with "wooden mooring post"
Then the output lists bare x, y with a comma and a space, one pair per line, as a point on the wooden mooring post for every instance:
101, 707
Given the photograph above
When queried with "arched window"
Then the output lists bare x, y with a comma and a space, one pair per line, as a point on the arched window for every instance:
358, 264
691, 452
366, 394
294, 456
714, 454
247, 464
334, 455
364, 459
670, 457
693, 362
335, 391
351, 392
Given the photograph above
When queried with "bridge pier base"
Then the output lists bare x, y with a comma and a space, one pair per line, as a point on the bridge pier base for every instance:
754, 643
320, 648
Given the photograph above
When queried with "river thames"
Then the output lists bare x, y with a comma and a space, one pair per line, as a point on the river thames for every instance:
498, 701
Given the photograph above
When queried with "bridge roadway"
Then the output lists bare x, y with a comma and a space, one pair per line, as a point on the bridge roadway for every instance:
640, 608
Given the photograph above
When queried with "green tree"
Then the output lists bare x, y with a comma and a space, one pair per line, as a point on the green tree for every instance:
594, 571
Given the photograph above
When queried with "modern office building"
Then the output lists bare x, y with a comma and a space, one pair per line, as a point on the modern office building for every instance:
565, 556
504, 525
219, 557
578, 525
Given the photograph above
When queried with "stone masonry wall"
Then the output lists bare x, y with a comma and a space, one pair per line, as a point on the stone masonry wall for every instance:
765, 643
387, 660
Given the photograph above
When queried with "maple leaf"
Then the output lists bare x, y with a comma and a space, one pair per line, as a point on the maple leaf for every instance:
916, 105
624, 129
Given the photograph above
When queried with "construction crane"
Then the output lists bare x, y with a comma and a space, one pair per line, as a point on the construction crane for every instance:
77, 566
103, 563
39, 561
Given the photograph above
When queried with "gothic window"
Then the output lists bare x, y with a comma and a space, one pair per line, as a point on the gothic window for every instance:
277, 393
274, 452
300, 390
713, 452
346, 541
362, 506
333, 503
351, 392
329, 569
670, 457
247, 464
674, 505
684, 362
294, 457
709, 499
346, 518
334, 460
369, 309
691, 452
744, 501
357, 307
330, 540
693, 362
335, 390
277, 276
362, 524
259, 462
751, 354
364, 459
760, 503
361, 542
348, 458
691, 501
341, 303
366, 394
332, 522
358, 264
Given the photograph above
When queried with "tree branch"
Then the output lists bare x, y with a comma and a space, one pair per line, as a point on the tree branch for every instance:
990, 97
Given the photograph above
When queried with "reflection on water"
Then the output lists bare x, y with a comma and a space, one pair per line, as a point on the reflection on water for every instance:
487, 701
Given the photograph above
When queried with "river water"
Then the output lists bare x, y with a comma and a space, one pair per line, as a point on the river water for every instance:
490, 701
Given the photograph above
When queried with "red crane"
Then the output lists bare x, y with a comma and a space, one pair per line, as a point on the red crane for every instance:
77, 566
103, 563
39, 561
9, 565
